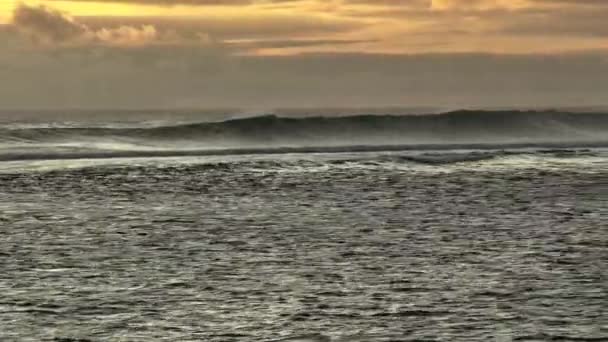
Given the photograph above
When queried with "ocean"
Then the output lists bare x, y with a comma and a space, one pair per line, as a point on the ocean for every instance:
464, 226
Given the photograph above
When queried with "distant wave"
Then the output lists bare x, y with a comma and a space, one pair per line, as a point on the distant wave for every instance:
460, 126
274, 134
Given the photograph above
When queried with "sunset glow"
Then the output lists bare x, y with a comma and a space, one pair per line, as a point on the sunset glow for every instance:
416, 26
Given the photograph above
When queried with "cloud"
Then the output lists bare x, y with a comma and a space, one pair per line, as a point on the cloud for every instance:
570, 2
267, 26
193, 2
49, 59
506, 26
477, 4
396, 26
291, 43
194, 76
48, 26
43, 26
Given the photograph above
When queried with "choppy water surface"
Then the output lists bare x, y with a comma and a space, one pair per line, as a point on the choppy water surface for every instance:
355, 247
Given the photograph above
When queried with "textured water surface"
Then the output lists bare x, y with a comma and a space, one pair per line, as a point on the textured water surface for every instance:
354, 247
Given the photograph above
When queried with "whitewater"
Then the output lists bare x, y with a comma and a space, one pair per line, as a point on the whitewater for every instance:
462, 226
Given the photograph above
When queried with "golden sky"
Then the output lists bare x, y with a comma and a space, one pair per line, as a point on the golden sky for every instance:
382, 26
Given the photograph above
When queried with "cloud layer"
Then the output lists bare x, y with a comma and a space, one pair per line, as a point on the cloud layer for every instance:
47, 26
382, 26
349, 53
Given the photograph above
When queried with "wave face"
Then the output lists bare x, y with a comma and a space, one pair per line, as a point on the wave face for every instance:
273, 133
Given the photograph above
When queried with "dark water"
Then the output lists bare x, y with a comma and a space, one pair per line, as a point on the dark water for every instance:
356, 247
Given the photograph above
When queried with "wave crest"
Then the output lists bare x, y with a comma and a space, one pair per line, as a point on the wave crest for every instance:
275, 134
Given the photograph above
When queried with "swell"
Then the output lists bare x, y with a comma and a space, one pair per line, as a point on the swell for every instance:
462, 127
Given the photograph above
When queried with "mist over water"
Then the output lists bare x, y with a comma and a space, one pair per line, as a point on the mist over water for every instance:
280, 134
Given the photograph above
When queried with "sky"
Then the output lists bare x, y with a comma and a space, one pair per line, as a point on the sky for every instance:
302, 53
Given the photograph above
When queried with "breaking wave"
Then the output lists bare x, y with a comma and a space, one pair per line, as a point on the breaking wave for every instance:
275, 134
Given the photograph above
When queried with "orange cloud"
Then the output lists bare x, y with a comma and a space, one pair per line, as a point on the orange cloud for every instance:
44, 25
303, 26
